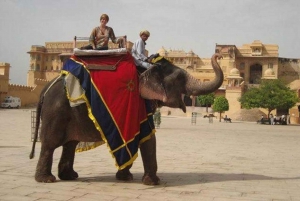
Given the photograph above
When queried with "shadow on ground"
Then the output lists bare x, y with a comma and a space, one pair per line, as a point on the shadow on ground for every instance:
180, 179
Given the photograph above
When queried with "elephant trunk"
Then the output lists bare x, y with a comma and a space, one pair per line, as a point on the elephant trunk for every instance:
196, 88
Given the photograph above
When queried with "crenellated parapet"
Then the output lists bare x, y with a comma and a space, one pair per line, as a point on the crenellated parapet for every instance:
17, 87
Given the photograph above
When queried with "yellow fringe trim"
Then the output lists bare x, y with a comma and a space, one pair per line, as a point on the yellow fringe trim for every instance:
91, 116
86, 148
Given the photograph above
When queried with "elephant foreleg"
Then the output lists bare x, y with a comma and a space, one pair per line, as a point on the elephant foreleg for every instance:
148, 152
124, 174
65, 166
44, 166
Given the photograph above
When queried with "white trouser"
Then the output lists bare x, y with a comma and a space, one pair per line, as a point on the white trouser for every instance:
145, 64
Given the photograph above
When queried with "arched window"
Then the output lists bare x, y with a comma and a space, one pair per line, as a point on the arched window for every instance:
255, 74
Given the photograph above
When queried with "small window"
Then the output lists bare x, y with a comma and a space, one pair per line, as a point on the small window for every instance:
270, 65
242, 66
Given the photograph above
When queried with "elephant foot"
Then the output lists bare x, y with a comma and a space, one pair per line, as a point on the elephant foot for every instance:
45, 178
68, 175
150, 180
124, 175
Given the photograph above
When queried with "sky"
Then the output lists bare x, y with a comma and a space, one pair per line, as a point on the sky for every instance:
196, 25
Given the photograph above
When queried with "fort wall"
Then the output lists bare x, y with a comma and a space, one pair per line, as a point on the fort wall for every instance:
29, 95
242, 66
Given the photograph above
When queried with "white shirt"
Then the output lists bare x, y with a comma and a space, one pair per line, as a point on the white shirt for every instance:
139, 52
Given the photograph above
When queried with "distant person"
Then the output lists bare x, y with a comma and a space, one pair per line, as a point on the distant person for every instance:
262, 119
271, 119
283, 120
100, 36
139, 50
288, 119
226, 119
275, 119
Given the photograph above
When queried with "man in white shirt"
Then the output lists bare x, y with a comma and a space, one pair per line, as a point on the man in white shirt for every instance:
139, 50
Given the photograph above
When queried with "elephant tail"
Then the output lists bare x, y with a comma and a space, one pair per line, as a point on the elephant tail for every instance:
38, 114
37, 125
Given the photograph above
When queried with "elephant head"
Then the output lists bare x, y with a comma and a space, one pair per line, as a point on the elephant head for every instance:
166, 83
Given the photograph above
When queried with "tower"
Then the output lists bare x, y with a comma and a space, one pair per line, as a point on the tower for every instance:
4, 79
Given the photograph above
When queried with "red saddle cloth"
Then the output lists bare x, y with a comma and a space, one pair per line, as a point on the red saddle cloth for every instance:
122, 117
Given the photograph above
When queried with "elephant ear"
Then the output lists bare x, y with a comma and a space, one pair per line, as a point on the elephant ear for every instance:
151, 84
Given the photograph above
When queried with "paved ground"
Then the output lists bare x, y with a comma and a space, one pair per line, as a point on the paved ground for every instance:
207, 161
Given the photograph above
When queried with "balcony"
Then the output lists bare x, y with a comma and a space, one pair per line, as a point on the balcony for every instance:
256, 54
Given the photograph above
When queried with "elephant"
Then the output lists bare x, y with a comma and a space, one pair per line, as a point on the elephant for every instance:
164, 83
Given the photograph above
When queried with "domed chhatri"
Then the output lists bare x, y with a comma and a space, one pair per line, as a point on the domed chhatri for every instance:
269, 72
234, 78
234, 72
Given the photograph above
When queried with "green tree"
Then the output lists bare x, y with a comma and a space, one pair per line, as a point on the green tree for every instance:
220, 105
206, 100
270, 95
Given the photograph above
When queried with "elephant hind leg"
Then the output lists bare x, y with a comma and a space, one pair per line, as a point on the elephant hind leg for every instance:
44, 166
150, 180
65, 166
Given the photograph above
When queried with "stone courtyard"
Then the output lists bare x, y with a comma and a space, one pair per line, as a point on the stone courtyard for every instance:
217, 161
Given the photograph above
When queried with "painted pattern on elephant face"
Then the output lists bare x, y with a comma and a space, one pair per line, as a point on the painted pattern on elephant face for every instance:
166, 82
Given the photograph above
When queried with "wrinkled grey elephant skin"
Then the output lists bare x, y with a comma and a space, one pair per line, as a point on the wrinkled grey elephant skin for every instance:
66, 126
